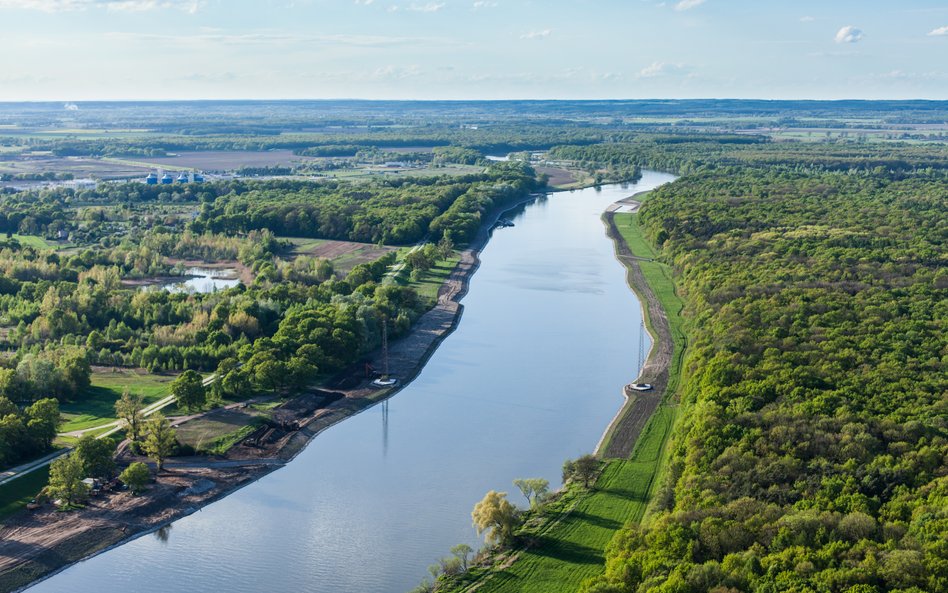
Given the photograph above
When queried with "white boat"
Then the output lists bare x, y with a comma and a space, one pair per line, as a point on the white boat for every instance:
641, 386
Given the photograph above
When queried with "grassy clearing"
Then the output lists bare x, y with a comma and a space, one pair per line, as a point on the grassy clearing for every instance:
431, 281
16, 494
34, 241
98, 405
217, 432
144, 164
223, 443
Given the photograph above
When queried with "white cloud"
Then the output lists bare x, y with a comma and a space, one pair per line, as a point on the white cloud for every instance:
849, 34
364, 2
206, 40
484, 4
656, 69
688, 4
396, 72
807, 19
190, 6
939, 32
429, 7
537, 34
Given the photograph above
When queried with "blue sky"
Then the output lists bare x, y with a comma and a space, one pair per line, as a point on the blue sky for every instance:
472, 49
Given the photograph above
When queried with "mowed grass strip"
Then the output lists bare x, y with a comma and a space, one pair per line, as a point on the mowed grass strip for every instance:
16, 494
573, 549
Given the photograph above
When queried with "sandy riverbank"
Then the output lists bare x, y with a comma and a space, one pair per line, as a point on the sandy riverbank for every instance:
36, 545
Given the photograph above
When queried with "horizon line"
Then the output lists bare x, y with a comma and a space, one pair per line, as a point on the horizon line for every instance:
462, 100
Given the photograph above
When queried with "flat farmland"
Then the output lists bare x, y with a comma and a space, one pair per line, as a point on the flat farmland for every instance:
558, 177
80, 167
226, 160
344, 255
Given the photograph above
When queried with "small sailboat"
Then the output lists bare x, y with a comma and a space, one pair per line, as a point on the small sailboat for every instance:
641, 386
385, 380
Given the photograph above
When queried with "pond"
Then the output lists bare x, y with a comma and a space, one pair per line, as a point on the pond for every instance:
197, 279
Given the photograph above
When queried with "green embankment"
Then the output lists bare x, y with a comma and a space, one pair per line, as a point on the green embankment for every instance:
659, 277
572, 549
16, 494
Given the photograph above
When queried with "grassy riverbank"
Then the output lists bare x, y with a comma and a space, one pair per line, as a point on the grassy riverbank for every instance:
570, 545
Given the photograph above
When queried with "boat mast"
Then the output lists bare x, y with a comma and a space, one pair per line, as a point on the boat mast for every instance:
385, 347
641, 346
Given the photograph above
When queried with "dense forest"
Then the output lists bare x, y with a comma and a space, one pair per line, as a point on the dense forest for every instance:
395, 211
392, 211
812, 455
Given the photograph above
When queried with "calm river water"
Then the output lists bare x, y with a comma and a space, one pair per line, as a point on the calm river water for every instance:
531, 377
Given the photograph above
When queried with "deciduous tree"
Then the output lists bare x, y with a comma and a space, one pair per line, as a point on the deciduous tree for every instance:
495, 517
66, 477
136, 476
160, 439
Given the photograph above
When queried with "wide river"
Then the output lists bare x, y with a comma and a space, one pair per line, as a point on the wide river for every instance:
531, 377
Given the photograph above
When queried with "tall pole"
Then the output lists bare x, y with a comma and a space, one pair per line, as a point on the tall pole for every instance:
642, 346
385, 347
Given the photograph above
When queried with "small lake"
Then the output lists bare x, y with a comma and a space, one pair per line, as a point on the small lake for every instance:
200, 280
532, 376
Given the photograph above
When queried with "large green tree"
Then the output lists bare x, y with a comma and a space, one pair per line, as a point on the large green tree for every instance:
96, 456
43, 421
136, 476
188, 388
66, 475
160, 439
129, 408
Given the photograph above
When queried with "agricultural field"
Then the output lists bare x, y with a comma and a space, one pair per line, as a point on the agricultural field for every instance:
78, 167
367, 172
344, 255
225, 160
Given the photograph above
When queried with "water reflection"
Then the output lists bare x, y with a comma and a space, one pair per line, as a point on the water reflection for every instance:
163, 534
200, 280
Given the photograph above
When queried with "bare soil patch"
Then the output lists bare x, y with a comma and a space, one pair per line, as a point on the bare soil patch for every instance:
558, 177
